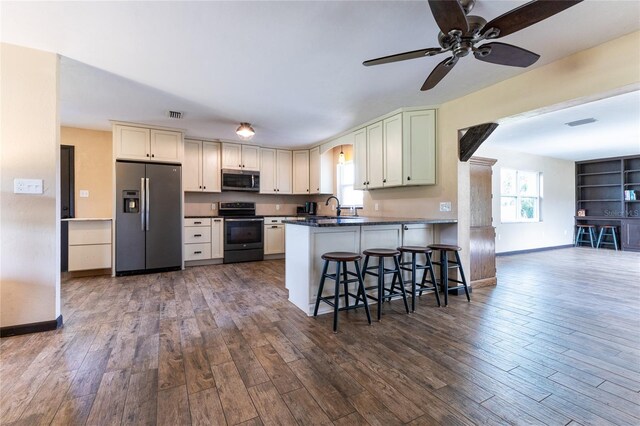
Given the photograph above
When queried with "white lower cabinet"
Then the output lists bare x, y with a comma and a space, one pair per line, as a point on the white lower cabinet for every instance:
89, 244
273, 235
203, 239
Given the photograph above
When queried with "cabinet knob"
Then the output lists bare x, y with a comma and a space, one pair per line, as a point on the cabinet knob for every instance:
200, 186
147, 155
153, 155
364, 183
317, 189
408, 177
274, 226
406, 228
239, 165
384, 181
307, 189
204, 187
274, 190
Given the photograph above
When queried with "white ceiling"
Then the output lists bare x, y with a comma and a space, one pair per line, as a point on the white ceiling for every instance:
616, 131
292, 69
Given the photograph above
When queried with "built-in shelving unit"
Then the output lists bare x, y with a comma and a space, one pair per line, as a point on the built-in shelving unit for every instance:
600, 191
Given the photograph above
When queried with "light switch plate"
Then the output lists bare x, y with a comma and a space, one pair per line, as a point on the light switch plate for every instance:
84, 193
445, 207
27, 186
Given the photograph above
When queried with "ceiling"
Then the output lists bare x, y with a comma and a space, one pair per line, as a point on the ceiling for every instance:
293, 69
616, 131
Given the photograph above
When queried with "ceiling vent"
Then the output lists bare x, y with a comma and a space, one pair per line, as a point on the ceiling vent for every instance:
175, 114
581, 122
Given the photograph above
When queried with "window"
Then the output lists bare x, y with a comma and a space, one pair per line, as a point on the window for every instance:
520, 194
348, 196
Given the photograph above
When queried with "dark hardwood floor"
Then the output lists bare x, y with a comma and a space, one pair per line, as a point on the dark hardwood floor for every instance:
556, 342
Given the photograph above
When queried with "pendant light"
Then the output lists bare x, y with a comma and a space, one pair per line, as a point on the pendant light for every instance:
245, 131
341, 156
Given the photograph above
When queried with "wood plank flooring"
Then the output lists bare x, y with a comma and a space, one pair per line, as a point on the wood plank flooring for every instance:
556, 342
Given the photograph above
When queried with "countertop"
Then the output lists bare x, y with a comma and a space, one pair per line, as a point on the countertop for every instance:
84, 219
364, 221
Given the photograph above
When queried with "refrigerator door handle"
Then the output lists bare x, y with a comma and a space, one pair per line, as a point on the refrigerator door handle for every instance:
147, 206
142, 204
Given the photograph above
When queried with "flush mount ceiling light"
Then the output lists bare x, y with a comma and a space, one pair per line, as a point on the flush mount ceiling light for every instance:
581, 122
245, 131
341, 156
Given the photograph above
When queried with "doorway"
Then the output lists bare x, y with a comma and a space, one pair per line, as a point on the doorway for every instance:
67, 200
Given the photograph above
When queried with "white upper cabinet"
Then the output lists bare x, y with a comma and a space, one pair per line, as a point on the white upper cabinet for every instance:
320, 171
398, 151
360, 158
201, 166
250, 157
240, 157
301, 172
146, 144
275, 171
419, 147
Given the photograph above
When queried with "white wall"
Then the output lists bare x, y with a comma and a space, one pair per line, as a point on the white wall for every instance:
29, 224
557, 206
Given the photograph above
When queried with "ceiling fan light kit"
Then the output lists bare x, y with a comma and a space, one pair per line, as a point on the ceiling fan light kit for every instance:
460, 32
245, 131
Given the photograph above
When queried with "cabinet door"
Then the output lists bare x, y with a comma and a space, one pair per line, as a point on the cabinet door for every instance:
360, 158
301, 172
630, 233
211, 174
419, 148
268, 180
231, 156
217, 238
191, 170
284, 171
314, 170
273, 239
392, 141
166, 146
132, 143
375, 156
250, 157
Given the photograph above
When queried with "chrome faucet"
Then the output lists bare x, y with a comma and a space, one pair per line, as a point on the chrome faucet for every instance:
338, 208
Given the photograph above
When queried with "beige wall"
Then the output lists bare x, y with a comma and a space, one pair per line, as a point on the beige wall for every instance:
93, 170
29, 224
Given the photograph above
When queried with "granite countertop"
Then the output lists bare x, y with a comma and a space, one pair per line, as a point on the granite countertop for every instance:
364, 221
202, 217
84, 219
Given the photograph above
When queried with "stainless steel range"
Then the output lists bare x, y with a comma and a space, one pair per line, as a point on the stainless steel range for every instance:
243, 232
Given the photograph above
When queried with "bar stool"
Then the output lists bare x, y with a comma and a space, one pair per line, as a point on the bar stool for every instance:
608, 231
413, 267
590, 231
341, 259
446, 264
380, 271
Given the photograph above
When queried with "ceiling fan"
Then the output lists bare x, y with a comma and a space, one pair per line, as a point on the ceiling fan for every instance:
460, 32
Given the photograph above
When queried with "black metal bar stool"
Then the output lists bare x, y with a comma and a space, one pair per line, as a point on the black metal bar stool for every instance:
341, 259
581, 234
413, 266
380, 271
446, 264
608, 231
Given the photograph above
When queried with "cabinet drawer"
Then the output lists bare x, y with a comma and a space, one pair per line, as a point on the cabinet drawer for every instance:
89, 232
197, 234
94, 256
273, 220
198, 222
197, 251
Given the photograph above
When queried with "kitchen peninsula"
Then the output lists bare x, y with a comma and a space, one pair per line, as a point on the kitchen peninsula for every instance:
308, 239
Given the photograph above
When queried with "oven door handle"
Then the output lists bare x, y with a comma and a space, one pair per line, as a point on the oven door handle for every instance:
244, 220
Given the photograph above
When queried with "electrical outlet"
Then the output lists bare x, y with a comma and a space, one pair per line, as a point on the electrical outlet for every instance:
499, 237
213, 206
84, 193
277, 206
445, 206
376, 206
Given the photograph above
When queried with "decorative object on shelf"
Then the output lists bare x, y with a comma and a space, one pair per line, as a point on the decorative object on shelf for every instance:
582, 212
630, 195
460, 32
245, 131
341, 156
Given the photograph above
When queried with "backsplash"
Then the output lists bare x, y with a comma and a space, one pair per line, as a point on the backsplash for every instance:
200, 204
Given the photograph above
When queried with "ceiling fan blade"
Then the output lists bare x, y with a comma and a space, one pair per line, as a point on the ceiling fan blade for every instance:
439, 72
526, 15
403, 56
449, 15
506, 54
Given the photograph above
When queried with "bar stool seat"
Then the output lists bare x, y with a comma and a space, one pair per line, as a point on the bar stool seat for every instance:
341, 258
584, 231
608, 231
380, 271
446, 264
413, 266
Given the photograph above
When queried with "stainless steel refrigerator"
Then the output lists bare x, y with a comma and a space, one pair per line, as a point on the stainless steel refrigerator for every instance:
148, 219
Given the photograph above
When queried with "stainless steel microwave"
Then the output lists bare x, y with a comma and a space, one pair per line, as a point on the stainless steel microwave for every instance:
240, 180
